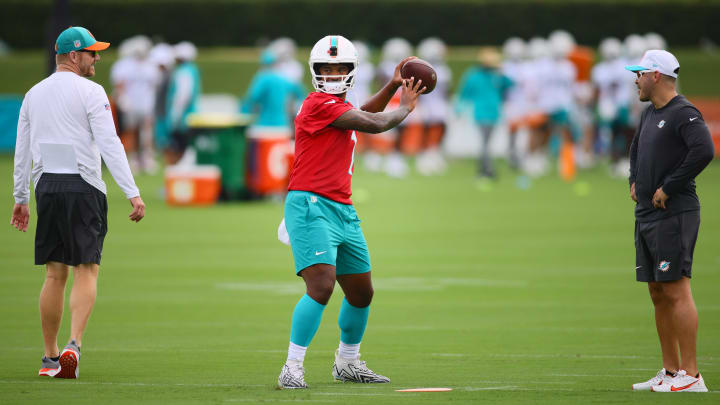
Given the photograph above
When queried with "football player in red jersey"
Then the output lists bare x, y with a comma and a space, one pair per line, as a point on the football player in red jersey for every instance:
322, 225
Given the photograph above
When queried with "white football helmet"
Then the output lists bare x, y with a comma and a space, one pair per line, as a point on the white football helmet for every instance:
283, 48
653, 40
610, 48
363, 51
635, 46
538, 48
432, 49
185, 51
333, 49
396, 49
514, 49
561, 43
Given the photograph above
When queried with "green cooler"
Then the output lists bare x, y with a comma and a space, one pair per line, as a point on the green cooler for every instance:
220, 140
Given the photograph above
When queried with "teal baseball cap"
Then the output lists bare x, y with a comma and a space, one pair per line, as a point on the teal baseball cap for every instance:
77, 38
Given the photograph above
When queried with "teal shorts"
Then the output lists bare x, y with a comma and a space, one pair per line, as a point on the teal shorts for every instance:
324, 231
559, 117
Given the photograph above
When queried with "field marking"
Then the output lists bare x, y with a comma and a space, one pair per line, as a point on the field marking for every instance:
44, 381
381, 284
257, 400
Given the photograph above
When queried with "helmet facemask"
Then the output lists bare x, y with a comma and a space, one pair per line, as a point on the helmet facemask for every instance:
326, 84
333, 49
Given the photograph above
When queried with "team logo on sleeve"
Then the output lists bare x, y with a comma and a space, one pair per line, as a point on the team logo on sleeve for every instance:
661, 123
107, 107
664, 266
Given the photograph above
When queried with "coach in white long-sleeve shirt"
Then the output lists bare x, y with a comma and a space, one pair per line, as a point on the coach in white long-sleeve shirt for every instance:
65, 127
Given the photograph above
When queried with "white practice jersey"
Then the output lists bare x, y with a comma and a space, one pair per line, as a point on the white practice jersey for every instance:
290, 69
520, 96
433, 107
137, 81
610, 80
557, 88
68, 115
360, 92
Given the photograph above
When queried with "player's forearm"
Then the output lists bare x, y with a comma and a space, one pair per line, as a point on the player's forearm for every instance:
380, 100
372, 123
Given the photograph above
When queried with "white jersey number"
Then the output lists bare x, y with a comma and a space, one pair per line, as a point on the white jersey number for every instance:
353, 138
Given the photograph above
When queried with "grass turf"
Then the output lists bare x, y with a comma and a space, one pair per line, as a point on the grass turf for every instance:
506, 296
229, 70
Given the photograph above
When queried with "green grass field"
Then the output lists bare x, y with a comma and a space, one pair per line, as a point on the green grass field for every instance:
507, 296
229, 70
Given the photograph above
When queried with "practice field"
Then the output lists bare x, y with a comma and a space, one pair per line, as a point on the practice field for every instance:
229, 70
506, 296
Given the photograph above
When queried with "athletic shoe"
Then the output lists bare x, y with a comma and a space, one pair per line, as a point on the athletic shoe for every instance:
355, 370
682, 383
292, 376
661, 378
48, 367
69, 361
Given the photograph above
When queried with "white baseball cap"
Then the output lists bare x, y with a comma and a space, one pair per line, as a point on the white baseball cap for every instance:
657, 61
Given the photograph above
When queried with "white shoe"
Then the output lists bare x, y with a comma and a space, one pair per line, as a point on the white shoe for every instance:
662, 378
373, 161
396, 166
292, 376
355, 370
682, 383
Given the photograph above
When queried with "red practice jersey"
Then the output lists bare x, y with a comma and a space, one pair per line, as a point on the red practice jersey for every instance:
324, 155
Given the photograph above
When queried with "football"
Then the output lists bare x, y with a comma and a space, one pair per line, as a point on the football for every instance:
420, 69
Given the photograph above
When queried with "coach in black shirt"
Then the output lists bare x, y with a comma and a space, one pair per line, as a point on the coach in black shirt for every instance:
671, 147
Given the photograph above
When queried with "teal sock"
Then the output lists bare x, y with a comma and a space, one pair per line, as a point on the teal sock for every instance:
305, 321
352, 322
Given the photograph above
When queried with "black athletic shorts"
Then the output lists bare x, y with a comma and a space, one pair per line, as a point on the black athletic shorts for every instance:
72, 220
664, 248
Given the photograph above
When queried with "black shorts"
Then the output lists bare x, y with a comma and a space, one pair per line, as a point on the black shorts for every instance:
72, 220
664, 248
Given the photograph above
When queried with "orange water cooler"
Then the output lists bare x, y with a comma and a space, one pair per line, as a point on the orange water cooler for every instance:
192, 185
269, 159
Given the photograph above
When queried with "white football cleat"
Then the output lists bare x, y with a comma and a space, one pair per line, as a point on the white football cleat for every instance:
292, 376
682, 383
355, 370
661, 378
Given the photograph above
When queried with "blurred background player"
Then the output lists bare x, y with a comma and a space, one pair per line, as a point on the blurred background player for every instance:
183, 92
135, 79
558, 100
362, 89
538, 66
284, 51
163, 57
482, 88
612, 104
389, 145
581, 114
271, 96
515, 108
433, 108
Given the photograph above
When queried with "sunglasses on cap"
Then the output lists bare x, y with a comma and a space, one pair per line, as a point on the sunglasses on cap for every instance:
92, 53
642, 72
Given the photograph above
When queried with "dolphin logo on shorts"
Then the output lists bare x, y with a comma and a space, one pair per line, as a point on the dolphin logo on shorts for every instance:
664, 266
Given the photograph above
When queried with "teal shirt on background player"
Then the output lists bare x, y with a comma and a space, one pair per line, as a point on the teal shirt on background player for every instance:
270, 95
177, 112
484, 89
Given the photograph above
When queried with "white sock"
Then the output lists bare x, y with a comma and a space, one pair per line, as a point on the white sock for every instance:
296, 353
349, 351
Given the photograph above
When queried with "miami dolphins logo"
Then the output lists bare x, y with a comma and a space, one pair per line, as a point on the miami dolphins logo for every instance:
664, 266
661, 124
